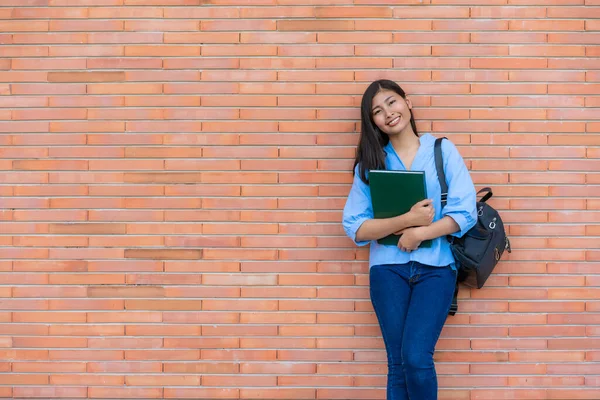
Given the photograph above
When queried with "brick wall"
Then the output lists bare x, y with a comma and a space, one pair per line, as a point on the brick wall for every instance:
172, 175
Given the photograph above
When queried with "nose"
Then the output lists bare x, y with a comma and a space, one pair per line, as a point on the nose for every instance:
387, 111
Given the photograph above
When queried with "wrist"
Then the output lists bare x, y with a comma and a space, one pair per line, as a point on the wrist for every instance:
422, 233
412, 220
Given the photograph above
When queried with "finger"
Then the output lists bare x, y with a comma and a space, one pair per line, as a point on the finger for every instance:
425, 203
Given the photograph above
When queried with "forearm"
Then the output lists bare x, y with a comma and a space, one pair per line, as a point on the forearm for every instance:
374, 229
441, 227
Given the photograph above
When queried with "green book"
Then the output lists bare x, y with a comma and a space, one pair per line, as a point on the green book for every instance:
393, 193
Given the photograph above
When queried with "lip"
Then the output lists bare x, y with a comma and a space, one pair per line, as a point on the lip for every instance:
394, 121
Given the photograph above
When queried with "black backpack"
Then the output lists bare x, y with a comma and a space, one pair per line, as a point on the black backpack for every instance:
480, 249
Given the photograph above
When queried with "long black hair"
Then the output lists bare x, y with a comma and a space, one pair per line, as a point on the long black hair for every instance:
370, 154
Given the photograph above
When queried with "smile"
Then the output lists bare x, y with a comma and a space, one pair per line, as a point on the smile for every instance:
394, 122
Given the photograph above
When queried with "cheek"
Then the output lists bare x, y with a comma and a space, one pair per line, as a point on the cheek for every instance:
406, 110
379, 120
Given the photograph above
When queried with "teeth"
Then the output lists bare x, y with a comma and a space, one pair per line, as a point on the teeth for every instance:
394, 121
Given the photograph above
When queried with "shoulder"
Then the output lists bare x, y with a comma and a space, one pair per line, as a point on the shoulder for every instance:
449, 149
357, 177
428, 140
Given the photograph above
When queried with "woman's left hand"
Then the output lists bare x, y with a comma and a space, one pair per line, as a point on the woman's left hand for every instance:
410, 239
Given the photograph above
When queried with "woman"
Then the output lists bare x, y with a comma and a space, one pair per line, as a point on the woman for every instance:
411, 288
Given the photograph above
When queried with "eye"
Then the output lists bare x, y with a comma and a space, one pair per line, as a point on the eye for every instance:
376, 111
392, 102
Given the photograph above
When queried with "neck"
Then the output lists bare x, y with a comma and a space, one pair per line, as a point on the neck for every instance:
405, 140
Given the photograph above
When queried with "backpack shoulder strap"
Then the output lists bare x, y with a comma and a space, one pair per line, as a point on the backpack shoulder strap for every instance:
439, 166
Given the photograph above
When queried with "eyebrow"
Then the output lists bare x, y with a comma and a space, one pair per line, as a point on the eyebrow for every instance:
385, 101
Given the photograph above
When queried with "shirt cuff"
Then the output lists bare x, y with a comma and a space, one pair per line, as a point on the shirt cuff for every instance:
462, 223
352, 229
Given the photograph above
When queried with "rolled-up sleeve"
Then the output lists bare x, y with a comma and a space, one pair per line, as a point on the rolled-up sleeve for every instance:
462, 201
358, 209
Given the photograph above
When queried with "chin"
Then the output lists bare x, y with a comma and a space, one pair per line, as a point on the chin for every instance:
395, 131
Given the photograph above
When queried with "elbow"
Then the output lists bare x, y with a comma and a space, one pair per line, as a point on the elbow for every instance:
359, 236
357, 233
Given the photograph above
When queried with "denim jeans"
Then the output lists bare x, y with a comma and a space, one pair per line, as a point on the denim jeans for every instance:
411, 302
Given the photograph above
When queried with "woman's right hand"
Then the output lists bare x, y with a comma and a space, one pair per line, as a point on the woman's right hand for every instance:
423, 212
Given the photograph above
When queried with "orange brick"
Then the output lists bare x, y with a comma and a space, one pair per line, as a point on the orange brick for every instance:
192, 292
101, 380
163, 304
123, 63
314, 25
238, 50
198, 368
353, 12
163, 330
238, 25
278, 393
212, 63
151, 355
78, 26
201, 317
54, 38
165, 380
24, 26
45, 13
50, 392
125, 392
157, 25
207, 393
315, 355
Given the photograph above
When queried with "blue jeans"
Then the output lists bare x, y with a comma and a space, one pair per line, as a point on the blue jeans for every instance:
411, 302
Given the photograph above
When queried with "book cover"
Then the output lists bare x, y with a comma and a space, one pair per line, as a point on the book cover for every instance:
393, 193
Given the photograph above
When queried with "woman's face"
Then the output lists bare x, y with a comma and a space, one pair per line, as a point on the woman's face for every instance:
391, 112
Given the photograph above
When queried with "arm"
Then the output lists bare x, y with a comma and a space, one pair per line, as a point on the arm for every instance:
442, 227
460, 213
462, 199
360, 225
412, 237
374, 229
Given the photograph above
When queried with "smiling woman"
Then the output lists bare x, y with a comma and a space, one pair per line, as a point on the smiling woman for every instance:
411, 287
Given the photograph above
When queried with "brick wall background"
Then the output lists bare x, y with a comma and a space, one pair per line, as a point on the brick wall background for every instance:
172, 175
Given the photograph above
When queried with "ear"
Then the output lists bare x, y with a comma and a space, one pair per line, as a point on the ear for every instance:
409, 103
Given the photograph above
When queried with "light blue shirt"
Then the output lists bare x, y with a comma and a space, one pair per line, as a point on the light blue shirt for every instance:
461, 205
